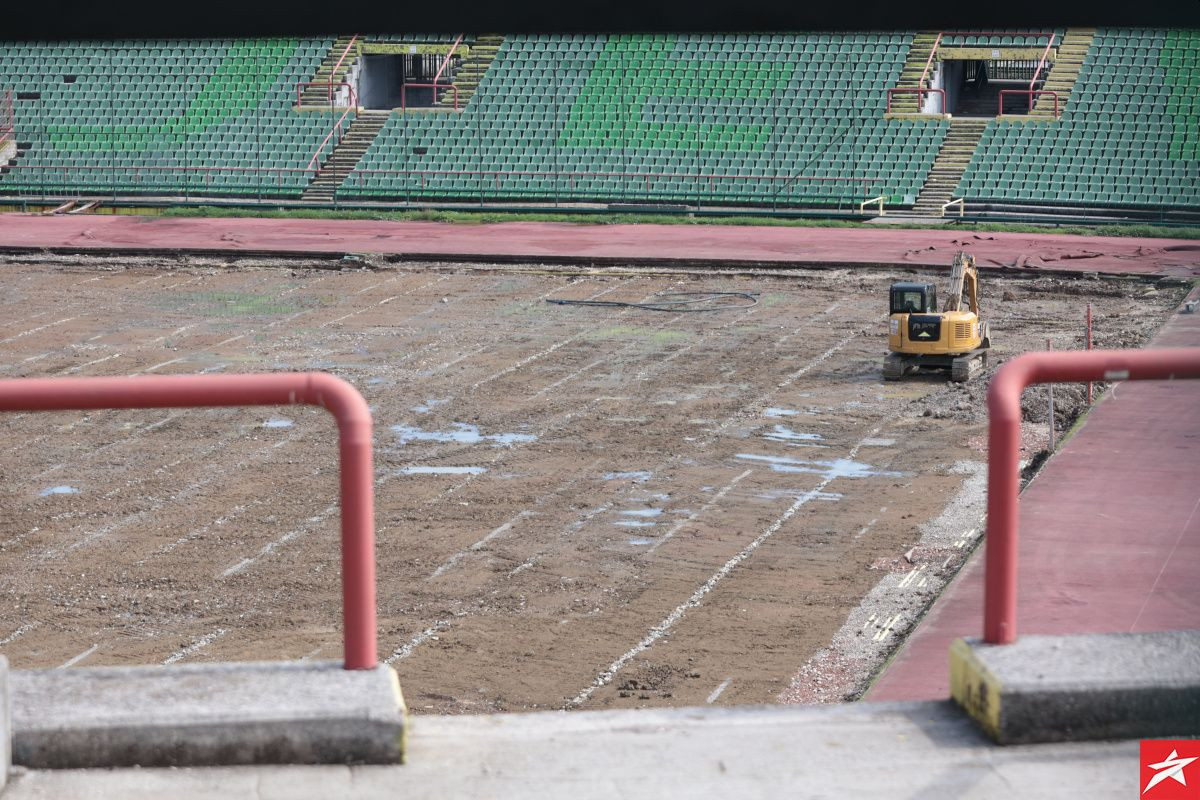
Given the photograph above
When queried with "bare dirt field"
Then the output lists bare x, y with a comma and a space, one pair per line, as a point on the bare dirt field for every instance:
576, 506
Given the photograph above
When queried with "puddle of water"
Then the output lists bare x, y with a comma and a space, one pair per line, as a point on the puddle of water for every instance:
441, 470
783, 433
878, 442
462, 434
641, 476
278, 422
839, 468
792, 494
58, 490
634, 523
775, 413
375, 381
639, 541
427, 406
643, 512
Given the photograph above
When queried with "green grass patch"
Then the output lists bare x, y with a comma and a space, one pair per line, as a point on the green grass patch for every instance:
487, 217
652, 335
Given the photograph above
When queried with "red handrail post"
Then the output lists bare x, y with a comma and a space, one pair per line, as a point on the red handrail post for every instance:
1004, 436
446, 61
313, 388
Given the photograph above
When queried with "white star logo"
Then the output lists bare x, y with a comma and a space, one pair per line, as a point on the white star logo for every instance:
1172, 767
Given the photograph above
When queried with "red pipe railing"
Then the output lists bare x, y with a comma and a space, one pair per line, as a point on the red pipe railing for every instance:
446, 60
1031, 93
1004, 437
868, 186
938, 41
919, 92
192, 391
929, 63
337, 126
6, 116
435, 86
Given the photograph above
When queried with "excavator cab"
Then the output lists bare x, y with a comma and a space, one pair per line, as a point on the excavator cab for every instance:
921, 335
914, 298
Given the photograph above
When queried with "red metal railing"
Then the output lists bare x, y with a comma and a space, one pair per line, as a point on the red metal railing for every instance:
6, 116
938, 41
777, 184
929, 63
919, 92
446, 60
337, 128
313, 388
404, 87
1004, 437
1031, 93
330, 86
330, 83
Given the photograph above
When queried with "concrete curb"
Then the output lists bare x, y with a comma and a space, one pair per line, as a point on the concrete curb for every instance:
207, 715
1090, 686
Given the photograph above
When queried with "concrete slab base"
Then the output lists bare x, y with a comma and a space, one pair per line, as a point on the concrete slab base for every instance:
207, 714
1089, 686
851, 750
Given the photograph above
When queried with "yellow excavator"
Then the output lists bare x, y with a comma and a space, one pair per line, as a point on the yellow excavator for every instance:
919, 336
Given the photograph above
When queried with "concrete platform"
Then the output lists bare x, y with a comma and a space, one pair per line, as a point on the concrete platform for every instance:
862, 750
645, 245
1109, 537
206, 714
1071, 688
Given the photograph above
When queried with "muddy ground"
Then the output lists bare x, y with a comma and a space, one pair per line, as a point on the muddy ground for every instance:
576, 506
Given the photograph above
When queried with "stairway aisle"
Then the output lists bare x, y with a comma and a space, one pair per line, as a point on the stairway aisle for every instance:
1063, 73
319, 95
910, 73
468, 76
952, 160
342, 160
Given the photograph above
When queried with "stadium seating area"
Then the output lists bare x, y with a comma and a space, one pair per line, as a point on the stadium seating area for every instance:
155, 117
1128, 136
768, 120
713, 118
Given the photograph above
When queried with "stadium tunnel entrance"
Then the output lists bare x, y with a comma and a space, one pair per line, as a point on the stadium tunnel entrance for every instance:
385, 81
974, 77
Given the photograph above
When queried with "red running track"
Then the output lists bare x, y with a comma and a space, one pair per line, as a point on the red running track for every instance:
1110, 532
625, 244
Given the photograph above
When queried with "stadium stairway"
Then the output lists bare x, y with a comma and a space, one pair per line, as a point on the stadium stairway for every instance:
469, 75
1071, 53
343, 158
319, 95
910, 74
952, 159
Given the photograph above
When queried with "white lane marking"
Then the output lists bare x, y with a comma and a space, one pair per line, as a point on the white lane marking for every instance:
69, 370
572, 376
406, 649
662, 628
454, 559
866, 528
163, 364
382, 302
886, 630
271, 547
691, 517
196, 646
35, 330
73, 661
19, 632
712, 698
